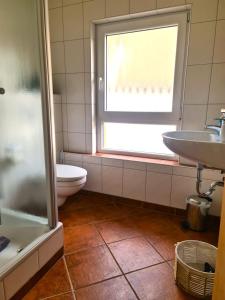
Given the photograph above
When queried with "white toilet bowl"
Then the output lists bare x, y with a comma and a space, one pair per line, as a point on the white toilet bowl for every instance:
70, 180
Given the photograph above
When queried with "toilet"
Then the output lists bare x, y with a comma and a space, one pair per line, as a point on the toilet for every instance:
70, 180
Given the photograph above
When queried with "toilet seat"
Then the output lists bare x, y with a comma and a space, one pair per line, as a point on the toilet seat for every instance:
67, 173
71, 184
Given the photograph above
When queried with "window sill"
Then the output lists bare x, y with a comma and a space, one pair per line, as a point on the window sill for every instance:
164, 162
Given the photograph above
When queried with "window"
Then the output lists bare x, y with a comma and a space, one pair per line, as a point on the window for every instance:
140, 66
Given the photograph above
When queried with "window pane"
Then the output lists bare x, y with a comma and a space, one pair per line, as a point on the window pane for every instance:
142, 138
140, 70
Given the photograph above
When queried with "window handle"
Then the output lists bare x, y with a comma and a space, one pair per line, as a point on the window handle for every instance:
100, 83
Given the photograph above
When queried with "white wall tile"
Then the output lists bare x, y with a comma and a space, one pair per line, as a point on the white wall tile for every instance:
136, 165
54, 3
93, 10
181, 188
88, 83
203, 10
112, 162
70, 2
134, 184
197, 84
76, 142
88, 118
168, 3
92, 159
212, 174
221, 9
201, 43
185, 171
49, 248
74, 163
159, 168
56, 24
117, 8
90, 143
217, 87
186, 162
64, 117
219, 50
59, 85
142, 5
75, 88
194, 117
87, 55
58, 63
59, 144
65, 141
57, 99
18, 277
112, 180
73, 22
58, 117
2, 293
158, 188
73, 156
216, 197
74, 53
76, 118
94, 177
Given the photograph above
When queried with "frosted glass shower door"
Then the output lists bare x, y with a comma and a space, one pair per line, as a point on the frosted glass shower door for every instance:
23, 182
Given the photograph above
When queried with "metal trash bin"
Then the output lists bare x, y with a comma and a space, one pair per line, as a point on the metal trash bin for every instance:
197, 212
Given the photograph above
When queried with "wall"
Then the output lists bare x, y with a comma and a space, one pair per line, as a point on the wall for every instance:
151, 182
58, 124
72, 78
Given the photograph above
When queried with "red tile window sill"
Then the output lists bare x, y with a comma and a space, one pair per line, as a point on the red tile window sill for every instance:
138, 158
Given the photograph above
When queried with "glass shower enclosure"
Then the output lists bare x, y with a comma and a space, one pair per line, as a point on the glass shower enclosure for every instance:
27, 193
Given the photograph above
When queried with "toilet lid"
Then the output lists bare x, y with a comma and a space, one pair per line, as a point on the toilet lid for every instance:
69, 173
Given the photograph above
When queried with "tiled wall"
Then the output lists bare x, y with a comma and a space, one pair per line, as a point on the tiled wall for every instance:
70, 43
155, 183
58, 124
72, 78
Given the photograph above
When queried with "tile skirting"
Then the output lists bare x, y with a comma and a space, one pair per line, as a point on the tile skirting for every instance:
153, 181
31, 282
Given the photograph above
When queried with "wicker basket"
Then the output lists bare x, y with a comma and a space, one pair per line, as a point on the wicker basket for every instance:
189, 265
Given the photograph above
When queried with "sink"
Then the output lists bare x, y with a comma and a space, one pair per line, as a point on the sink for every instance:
200, 146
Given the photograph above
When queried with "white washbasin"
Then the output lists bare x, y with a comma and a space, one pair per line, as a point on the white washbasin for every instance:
200, 146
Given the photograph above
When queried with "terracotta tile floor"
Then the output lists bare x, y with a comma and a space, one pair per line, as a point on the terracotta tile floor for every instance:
116, 250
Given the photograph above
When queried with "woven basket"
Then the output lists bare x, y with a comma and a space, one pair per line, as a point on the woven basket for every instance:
189, 265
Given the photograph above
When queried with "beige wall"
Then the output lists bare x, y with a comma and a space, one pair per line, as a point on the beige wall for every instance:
70, 45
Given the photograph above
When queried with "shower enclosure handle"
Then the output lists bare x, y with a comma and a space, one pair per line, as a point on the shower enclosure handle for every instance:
2, 91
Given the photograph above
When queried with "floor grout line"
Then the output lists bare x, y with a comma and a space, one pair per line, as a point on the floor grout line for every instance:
97, 282
69, 278
95, 224
120, 268
56, 295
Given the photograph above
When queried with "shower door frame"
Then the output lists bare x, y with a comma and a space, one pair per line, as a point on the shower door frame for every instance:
47, 109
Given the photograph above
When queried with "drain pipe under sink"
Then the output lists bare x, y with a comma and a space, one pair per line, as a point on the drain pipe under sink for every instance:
212, 187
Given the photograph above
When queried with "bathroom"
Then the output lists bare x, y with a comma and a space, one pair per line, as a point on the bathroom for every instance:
116, 237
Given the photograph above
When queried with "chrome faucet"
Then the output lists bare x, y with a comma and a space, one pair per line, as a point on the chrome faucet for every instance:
219, 129
215, 128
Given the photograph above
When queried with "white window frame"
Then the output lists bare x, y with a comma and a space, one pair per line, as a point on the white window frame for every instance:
181, 19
